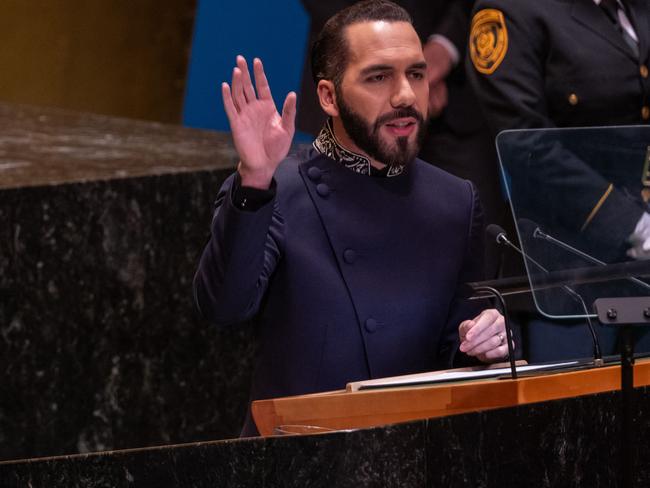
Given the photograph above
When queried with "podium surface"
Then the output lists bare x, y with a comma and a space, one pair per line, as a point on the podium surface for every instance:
369, 408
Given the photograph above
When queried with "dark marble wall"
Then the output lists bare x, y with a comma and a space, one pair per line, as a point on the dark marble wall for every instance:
102, 223
560, 444
386, 458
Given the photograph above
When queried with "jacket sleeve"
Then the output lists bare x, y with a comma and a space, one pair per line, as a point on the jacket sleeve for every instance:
454, 24
510, 85
238, 260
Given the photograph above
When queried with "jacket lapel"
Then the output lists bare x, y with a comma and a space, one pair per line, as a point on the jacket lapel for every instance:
587, 13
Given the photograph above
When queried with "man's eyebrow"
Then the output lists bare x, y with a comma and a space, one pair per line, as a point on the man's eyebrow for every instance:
387, 67
421, 65
376, 67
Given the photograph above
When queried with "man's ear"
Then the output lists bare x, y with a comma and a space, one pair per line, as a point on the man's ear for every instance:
327, 97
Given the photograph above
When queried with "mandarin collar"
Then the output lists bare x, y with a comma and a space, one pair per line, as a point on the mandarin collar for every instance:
328, 145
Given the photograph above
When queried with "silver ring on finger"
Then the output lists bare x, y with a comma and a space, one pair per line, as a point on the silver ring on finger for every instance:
502, 338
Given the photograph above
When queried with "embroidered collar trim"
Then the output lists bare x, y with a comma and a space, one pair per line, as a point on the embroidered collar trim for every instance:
327, 144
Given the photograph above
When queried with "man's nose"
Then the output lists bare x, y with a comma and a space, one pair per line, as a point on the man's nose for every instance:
403, 96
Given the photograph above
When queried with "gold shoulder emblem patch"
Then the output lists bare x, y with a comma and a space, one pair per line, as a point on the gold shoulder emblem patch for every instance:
488, 40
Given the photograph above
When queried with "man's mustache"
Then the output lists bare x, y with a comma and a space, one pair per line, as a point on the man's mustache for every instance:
399, 114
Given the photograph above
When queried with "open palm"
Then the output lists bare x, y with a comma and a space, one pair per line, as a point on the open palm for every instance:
261, 135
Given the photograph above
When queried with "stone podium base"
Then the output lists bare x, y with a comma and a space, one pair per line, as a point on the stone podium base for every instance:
563, 444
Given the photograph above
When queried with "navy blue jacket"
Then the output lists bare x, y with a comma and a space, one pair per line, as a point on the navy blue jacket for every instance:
348, 276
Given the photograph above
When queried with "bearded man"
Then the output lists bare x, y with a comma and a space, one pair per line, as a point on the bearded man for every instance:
350, 256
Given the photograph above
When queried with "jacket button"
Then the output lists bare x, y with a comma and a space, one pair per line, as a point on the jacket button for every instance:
371, 325
573, 99
314, 173
645, 113
643, 70
349, 256
322, 189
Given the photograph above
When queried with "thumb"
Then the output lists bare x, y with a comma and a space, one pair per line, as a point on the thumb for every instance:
464, 328
289, 113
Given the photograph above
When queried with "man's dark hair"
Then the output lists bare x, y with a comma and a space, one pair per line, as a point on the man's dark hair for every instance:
330, 53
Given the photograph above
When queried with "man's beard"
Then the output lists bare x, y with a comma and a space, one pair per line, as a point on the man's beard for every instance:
367, 137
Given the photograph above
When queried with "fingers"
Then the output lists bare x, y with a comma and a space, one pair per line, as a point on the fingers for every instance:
242, 86
486, 324
482, 333
638, 255
485, 337
493, 342
289, 113
247, 84
242, 91
263, 89
228, 104
494, 355
464, 328
238, 89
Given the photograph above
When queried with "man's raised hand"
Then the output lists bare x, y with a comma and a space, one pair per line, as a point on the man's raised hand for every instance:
261, 135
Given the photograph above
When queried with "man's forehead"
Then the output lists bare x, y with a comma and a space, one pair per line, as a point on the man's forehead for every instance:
366, 40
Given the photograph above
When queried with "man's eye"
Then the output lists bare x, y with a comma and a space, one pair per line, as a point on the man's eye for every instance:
376, 78
417, 75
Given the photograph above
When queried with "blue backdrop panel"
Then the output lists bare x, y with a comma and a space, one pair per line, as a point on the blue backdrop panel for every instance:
274, 31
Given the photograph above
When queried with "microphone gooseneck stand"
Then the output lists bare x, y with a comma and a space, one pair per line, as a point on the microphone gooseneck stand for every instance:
488, 290
539, 234
500, 236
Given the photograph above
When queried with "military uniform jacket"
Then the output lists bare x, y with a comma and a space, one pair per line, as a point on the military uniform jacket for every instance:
563, 63
347, 276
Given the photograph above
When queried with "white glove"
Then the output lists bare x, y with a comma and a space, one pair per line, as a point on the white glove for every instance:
640, 239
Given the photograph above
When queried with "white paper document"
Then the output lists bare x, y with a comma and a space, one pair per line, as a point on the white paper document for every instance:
454, 375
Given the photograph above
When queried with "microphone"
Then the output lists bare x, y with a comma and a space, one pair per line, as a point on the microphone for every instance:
497, 233
538, 234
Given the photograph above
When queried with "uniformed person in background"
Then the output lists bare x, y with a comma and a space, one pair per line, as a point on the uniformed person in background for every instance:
568, 63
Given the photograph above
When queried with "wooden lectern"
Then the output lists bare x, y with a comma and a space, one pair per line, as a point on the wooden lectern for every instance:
347, 409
